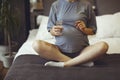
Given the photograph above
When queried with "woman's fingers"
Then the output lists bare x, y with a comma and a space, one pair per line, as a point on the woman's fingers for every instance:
80, 25
57, 30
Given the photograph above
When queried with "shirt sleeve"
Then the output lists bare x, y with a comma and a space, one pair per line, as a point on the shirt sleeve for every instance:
91, 18
52, 17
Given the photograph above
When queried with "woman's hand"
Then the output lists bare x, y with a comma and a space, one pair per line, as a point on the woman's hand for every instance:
80, 25
56, 30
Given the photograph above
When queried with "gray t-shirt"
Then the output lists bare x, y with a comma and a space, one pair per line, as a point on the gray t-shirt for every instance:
72, 40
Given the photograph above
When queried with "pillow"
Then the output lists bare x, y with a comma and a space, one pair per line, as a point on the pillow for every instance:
32, 34
108, 26
43, 34
39, 19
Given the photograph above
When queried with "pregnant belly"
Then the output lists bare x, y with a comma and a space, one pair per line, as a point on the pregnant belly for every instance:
69, 34
71, 41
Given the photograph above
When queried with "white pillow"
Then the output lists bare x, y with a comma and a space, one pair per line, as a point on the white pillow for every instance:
108, 26
32, 34
39, 19
43, 34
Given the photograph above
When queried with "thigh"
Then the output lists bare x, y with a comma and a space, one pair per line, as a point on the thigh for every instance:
95, 48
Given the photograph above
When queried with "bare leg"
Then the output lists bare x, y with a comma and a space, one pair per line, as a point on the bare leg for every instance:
88, 54
49, 51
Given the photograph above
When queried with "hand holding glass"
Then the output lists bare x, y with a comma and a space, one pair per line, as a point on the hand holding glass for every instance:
59, 27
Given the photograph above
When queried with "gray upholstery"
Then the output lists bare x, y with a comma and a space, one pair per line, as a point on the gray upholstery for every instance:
107, 6
102, 6
30, 67
47, 5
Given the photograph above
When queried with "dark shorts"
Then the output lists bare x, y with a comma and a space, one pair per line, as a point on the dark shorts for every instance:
72, 55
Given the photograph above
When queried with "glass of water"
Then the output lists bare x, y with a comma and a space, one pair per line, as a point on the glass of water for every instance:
59, 24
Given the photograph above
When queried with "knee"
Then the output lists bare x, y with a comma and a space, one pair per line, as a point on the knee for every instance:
104, 46
38, 45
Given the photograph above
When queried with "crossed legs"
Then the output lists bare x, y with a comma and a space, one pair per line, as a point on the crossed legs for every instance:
51, 52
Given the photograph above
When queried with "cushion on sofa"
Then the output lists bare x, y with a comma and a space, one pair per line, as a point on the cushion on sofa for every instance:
108, 26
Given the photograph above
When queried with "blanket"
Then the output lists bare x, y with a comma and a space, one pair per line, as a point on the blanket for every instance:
30, 67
